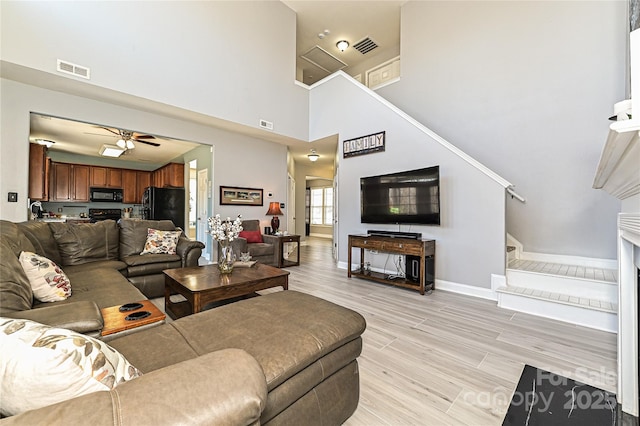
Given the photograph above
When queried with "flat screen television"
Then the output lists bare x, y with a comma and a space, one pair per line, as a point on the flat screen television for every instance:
411, 197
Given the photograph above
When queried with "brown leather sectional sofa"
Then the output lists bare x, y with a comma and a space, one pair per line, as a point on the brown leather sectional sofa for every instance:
102, 261
286, 358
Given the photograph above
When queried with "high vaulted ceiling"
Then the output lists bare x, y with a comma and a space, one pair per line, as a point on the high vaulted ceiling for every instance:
335, 20
352, 21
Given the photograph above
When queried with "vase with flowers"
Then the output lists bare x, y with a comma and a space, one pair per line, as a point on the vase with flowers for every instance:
224, 232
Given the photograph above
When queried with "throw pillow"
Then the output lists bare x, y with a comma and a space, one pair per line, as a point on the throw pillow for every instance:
42, 365
161, 242
251, 236
48, 282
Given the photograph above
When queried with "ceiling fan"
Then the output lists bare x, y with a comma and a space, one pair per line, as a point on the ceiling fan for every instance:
127, 138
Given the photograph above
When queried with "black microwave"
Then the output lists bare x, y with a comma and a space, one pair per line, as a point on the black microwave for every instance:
110, 195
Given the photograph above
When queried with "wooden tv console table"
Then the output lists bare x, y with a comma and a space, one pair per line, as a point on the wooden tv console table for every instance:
396, 245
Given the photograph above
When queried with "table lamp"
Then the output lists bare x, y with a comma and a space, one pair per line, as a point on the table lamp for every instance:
274, 210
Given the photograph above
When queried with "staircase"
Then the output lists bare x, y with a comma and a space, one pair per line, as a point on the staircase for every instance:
577, 294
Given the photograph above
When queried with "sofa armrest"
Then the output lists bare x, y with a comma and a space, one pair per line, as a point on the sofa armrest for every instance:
189, 251
239, 245
275, 241
270, 239
225, 387
82, 316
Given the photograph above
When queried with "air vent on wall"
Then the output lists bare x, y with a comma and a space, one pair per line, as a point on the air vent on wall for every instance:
365, 46
73, 69
266, 124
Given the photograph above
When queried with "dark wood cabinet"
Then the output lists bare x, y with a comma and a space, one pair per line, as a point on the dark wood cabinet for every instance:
80, 183
143, 181
423, 249
129, 187
39, 165
170, 175
106, 177
69, 182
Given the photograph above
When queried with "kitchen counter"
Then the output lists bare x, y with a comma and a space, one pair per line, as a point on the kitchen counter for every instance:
71, 219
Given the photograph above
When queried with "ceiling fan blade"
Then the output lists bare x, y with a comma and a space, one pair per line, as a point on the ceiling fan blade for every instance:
99, 134
117, 133
140, 136
147, 142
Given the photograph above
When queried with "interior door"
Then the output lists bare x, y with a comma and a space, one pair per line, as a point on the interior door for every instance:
202, 207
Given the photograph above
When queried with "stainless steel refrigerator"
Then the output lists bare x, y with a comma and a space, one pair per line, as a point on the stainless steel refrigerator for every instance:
164, 203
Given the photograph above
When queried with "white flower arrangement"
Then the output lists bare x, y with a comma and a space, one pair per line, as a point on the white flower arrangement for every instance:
225, 230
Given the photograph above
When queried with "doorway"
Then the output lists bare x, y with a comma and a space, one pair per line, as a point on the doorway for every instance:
193, 195
202, 211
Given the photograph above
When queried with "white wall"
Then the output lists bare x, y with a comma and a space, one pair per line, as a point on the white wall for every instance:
227, 59
239, 160
470, 243
526, 88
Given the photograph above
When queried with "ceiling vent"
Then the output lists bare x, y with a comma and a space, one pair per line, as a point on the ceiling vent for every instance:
73, 69
323, 59
365, 46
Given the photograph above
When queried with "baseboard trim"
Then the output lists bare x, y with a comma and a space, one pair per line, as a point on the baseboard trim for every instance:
469, 290
327, 236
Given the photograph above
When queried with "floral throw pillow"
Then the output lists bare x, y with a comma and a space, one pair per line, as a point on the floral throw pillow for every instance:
42, 365
48, 282
161, 242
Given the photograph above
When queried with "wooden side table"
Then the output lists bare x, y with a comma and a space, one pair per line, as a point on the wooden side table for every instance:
282, 239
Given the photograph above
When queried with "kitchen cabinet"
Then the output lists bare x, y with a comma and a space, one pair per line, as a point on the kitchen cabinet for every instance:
106, 177
69, 182
134, 183
171, 174
129, 187
39, 165
143, 181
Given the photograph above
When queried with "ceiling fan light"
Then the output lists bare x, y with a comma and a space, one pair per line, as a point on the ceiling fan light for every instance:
122, 144
110, 151
130, 144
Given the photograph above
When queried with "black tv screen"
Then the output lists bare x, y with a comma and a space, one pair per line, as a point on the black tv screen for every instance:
405, 197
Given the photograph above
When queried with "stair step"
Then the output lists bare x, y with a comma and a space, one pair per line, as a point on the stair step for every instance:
593, 313
583, 302
573, 271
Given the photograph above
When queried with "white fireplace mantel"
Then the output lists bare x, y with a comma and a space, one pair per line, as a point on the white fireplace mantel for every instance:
618, 172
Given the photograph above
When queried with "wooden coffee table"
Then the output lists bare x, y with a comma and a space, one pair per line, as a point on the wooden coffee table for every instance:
204, 284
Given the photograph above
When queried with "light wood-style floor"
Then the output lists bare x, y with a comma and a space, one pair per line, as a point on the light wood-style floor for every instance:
444, 358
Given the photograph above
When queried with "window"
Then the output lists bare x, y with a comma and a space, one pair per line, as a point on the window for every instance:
322, 206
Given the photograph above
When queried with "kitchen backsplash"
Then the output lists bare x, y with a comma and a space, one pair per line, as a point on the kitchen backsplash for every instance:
68, 209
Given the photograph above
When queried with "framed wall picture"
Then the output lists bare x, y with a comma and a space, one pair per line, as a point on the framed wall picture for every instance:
238, 196
363, 145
